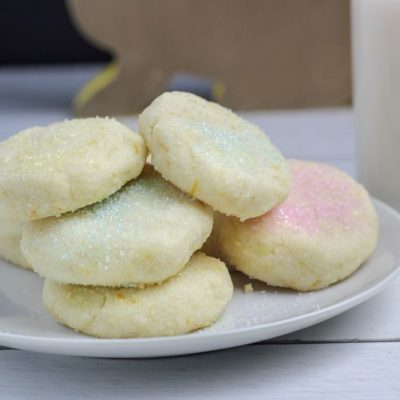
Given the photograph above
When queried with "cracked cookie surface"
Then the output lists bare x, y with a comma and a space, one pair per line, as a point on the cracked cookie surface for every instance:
143, 234
214, 155
191, 300
49, 170
323, 231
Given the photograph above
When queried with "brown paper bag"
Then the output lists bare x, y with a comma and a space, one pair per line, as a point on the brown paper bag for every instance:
260, 54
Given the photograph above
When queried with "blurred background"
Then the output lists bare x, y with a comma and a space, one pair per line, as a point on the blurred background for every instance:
42, 32
259, 54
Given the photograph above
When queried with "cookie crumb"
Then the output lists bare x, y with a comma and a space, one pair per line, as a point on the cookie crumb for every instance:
248, 288
120, 295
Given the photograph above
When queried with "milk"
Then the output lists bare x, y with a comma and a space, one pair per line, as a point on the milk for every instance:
376, 93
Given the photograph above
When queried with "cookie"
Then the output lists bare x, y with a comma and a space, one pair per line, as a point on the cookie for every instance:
321, 234
144, 233
191, 300
10, 237
214, 155
47, 171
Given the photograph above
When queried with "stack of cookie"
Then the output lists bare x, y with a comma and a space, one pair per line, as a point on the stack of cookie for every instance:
118, 240
129, 263
115, 241
47, 171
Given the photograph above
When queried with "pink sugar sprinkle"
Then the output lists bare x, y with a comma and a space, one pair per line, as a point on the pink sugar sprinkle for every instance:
321, 197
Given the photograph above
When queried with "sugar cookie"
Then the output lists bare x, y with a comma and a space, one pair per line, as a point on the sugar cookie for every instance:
211, 153
191, 300
47, 171
142, 234
322, 233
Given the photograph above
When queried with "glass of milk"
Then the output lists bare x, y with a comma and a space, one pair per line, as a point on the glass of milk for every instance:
376, 95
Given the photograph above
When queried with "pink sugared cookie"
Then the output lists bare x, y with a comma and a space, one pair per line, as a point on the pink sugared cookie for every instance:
323, 231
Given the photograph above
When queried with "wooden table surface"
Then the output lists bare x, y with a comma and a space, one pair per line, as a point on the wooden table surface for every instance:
353, 356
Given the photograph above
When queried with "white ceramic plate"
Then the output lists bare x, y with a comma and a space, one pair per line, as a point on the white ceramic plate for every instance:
262, 314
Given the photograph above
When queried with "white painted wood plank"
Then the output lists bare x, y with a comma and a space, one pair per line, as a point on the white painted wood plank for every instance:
378, 319
329, 371
314, 133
